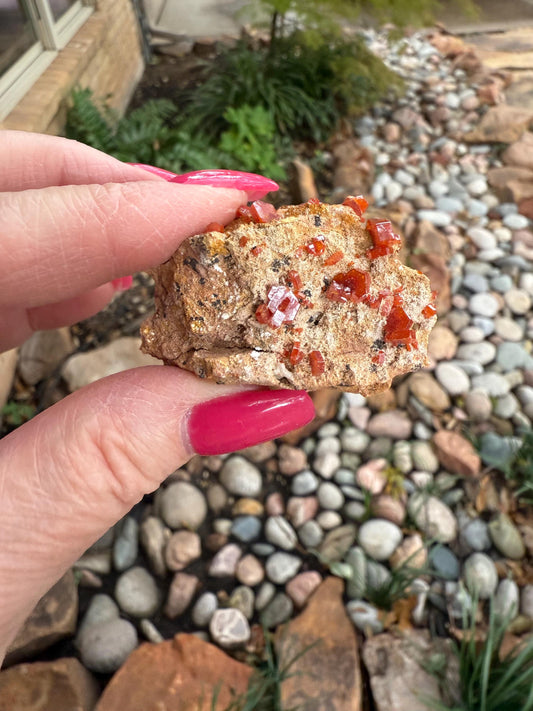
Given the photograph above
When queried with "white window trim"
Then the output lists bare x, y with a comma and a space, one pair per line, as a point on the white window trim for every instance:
54, 36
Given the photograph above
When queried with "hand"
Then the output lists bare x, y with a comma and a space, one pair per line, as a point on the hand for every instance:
72, 220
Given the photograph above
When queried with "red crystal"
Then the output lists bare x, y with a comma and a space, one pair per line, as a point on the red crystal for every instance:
357, 203
294, 280
263, 211
316, 246
244, 213
262, 314
429, 311
382, 236
296, 355
378, 358
349, 286
333, 259
313, 201
243, 241
215, 227
282, 304
398, 331
316, 360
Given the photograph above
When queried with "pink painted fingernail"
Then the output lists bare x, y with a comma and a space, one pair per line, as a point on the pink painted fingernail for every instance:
257, 186
122, 283
238, 421
161, 172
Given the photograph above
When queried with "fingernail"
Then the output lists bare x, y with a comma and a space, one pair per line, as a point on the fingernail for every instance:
161, 172
257, 186
122, 283
238, 421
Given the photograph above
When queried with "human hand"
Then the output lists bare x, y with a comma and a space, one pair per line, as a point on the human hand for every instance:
72, 220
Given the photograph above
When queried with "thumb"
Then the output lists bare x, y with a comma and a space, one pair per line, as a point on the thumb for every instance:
77, 468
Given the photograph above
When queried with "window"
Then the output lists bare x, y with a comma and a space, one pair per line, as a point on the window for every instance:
31, 34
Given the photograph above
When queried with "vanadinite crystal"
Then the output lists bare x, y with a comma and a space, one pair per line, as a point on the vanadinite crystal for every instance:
398, 331
349, 286
282, 306
358, 204
316, 360
383, 238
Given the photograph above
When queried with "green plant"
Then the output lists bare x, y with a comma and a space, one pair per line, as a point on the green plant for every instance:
153, 133
16, 413
514, 458
304, 85
488, 681
264, 689
250, 141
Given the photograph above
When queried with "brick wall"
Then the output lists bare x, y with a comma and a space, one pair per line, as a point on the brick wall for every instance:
105, 55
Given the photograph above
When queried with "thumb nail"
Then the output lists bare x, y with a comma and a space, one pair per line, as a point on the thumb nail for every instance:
234, 422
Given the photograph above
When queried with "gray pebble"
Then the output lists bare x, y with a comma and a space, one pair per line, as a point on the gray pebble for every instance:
483, 352
246, 528
480, 575
183, 506
494, 384
105, 647
241, 477
506, 537
379, 538
515, 221
445, 562
279, 532
243, 599
136, 593
364, 616
229, 628
304, 483
204, 609
310, 534
484, 304
326, 464
476, 535
281, 567
452, 378
424, 457
330, 496
506, 600
150, 631
278, 610
126, 544
264, 595
526, 601
353, 440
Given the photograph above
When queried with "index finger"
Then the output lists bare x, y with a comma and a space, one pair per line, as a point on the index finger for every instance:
36, 161
61, 241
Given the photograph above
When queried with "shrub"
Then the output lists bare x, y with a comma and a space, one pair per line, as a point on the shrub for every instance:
305, 86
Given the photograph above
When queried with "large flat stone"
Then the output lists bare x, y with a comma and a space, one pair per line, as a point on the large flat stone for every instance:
397, 678
61, 685
182, 674
327, 675
53, 618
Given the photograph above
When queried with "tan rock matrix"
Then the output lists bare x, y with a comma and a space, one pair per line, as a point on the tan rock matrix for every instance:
303, 297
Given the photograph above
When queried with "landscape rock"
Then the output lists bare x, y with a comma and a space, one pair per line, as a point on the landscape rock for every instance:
433, 517
8, 366
456, 454
61, 685
53, 618
136, 592
327, 672
42, 354
122, 354
180, 594
398, 679
379, 538
480, 575
501, 124
199, 674
241, 477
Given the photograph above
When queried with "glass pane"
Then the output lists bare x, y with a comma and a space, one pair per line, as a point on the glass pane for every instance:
16, 32
59, 7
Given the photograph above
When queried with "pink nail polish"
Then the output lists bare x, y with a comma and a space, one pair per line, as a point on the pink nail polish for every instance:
234, 422
122, 283
161, 172
257, 186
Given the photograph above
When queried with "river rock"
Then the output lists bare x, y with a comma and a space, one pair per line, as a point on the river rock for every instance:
183, 506
241, 477
433, 517
379, 538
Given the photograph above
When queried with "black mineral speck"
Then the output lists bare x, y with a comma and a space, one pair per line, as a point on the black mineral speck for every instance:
379, 344
318, 221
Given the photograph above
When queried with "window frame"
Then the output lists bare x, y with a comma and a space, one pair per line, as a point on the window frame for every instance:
52, 36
